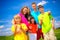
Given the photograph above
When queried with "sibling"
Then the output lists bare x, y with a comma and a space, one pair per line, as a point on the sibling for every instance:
33, 27
25, 14
19, 29
45, 21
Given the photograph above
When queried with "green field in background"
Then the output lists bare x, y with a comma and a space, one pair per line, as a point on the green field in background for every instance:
57, 33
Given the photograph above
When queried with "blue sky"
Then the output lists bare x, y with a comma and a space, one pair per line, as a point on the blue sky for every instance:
9, 8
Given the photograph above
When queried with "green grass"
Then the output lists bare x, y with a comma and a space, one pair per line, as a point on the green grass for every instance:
6, 37
57, 33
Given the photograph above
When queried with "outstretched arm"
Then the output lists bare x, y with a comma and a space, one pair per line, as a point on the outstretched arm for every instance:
53, 23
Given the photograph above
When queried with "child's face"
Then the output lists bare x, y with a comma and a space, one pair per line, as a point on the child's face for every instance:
32, 20
25, 10
41, 10
17, 19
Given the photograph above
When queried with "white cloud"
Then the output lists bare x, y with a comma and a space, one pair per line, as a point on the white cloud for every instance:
57, 24
42, 3
8, 28
2, 26
57, 18
6, 33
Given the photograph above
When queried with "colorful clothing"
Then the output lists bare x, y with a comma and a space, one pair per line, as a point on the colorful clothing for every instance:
33, 28
22, 35
40, 34
33, 31
24, 20
46, 25
50, 35
35, 15
32, 36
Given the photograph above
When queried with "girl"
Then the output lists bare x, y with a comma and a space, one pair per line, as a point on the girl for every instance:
32, 29
19, 29
25, 14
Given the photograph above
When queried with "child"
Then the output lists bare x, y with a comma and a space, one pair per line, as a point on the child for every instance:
32, 29
45, 21
19, 29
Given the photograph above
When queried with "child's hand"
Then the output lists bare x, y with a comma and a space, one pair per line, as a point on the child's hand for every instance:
18, 29
30, 27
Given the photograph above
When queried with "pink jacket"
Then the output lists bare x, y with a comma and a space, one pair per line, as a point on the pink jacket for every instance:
24, 20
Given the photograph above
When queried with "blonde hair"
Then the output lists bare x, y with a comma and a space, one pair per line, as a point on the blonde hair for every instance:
16, 16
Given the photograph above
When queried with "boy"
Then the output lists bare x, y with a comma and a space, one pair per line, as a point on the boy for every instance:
45, 21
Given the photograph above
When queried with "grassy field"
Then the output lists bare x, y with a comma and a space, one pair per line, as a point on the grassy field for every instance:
57, 33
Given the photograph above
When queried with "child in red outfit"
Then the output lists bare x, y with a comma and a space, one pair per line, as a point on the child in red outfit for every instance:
33, 27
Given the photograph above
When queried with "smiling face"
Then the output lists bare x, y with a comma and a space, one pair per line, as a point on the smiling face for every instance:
32, 21
25, 10
34, 6
41, 10
17, 19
